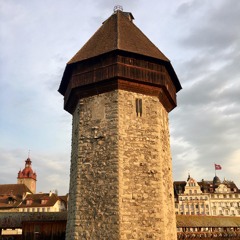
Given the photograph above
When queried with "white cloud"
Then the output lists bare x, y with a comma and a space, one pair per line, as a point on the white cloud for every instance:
39, 37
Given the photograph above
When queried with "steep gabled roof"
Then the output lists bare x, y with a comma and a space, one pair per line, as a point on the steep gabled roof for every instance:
13, 192
118, 32
14, 189
51, 199
64, 200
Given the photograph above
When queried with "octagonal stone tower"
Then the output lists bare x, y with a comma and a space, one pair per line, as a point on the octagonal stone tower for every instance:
119, 88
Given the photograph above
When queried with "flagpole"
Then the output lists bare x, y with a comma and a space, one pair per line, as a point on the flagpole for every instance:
215, 169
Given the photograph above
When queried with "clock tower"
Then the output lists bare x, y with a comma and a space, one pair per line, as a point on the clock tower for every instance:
27, 176
119, 88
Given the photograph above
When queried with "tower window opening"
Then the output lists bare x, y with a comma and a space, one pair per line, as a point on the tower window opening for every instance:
139, 107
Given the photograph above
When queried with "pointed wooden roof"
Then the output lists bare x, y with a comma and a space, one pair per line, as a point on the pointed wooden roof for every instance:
118, 32
118, 38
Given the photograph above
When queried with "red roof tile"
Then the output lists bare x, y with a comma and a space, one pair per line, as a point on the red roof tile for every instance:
11, 195
40, 200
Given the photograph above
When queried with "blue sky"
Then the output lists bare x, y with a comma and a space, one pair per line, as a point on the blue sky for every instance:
38, 38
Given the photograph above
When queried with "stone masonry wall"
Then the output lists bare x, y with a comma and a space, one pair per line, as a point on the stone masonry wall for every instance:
145, 171
93, 203
121, 174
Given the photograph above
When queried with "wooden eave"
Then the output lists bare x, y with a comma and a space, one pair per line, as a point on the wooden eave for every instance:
118, 34
69, 68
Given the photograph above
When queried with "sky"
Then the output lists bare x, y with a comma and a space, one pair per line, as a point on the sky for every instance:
38, 38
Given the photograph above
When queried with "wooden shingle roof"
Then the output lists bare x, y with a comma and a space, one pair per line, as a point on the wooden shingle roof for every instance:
207, 221
15, 219
102, 64
118, 32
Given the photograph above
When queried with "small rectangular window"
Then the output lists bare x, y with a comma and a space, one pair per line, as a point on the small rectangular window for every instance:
139, 107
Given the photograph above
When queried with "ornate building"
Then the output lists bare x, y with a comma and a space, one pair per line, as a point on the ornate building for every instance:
22, 197
27, 176
120, 88
214, 198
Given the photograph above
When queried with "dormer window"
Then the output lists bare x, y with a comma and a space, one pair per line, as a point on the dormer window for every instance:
11, 200
44, 201
29, 201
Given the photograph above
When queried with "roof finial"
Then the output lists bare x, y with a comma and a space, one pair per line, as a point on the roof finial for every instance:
118, 8
29, 153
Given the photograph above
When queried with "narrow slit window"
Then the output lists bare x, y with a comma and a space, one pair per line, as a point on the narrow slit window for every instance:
139, 107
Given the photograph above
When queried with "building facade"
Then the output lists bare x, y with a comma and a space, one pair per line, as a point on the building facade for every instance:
22, 197
43, 202
213, 198
119, 88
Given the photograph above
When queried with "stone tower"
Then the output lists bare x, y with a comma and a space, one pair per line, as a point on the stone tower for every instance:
119, 88
27, 176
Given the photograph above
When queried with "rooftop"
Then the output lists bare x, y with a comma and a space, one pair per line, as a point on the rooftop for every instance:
118, 32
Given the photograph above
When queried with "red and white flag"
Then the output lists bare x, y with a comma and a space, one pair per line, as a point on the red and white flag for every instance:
218, 167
